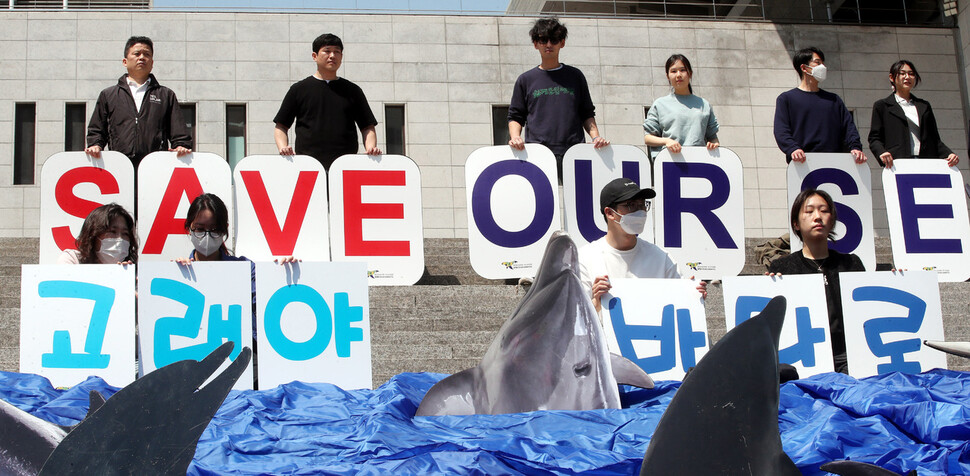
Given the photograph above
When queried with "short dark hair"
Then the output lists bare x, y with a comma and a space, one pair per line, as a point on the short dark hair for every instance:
548, 29
801, 198
683, 59
804, 56
897, 66
96, 224
211, 202
327, 39
139, 39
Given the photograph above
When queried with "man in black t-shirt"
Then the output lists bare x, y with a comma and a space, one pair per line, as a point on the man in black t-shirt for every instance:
552, 100
326, 109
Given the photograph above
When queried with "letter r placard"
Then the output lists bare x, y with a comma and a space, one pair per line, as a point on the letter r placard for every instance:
77, 321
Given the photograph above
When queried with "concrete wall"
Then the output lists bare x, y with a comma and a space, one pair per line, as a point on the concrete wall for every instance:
449, 71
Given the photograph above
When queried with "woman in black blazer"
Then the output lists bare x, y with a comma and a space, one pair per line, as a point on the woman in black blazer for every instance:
891, 132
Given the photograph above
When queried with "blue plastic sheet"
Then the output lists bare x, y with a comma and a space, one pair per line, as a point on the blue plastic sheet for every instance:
900, 422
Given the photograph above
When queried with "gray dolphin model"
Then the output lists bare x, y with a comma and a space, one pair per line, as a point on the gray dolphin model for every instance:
549, 355
724, 417
961, 349
151, 426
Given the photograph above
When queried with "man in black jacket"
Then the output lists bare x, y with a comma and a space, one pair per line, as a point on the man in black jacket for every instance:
137, 116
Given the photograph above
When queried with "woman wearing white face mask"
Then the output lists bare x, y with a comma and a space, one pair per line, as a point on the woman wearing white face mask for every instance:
106, 237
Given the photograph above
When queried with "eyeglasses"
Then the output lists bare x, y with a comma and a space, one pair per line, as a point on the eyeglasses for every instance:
907, 74
200, 234
635, 205
545, 39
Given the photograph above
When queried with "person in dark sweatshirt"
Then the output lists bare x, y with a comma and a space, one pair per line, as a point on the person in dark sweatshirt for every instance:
137, 116
551, 101
810, 119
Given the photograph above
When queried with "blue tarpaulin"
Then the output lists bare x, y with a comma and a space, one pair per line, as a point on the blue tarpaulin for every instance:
900, 422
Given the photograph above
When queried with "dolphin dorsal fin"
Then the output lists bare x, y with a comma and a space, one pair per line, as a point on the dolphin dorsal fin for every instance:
627, 373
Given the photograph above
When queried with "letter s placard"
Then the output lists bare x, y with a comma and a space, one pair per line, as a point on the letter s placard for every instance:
313, 324
77, 321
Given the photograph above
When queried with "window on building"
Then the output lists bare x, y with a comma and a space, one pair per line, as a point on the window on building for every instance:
394, 128
235, 133
25, 126
500, 125
74, 126
188, 115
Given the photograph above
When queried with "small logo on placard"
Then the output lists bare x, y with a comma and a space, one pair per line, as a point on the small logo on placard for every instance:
929, 268
696, 266
377, 274
515, 265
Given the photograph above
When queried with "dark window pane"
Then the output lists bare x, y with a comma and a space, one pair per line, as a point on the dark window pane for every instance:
235, 133
23, 143
74, 127
188, 115
500, 125
394, 128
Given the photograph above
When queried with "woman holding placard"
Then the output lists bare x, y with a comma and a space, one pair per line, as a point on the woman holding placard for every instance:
903, 125
680, 118
813, 218
107, 237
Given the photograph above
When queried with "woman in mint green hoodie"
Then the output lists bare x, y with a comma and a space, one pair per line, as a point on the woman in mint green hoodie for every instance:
680, 118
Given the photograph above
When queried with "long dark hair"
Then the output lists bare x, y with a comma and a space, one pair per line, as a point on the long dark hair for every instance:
683, 59
801, 198
96, 224
211, 202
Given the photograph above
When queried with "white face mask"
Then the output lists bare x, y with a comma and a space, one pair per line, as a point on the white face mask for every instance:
207, 245
633, 222
820, 72
113, 250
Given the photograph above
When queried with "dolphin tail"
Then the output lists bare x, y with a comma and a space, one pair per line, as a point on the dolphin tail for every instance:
450, 396
627, 373
858, 468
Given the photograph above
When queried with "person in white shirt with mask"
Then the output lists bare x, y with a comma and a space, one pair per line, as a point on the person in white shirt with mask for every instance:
621, 253
107, 237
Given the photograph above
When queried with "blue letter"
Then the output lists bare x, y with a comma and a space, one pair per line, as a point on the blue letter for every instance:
188, 325
482, 203
853, 223
874, 328
675, 204
689, 339
626, 334
61, 355
910, 213
807, 336
287, 348
747, 306
229, 328
344, 314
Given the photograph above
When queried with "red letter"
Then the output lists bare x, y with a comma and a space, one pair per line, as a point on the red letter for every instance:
355, 212
184, 181
281, 240
75, 206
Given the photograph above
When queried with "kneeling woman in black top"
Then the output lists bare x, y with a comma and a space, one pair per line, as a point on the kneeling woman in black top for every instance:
813, 219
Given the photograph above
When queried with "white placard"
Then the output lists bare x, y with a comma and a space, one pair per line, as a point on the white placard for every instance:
186, 312
281, 208
376, 216
928, 219
806, 341
167, 184
700, 210
585, 171
850, 185
77, 321
71, 185
659, 324
314, 324
512, 208
887, 317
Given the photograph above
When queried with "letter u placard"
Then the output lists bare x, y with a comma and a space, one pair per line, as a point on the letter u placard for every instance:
71, 185
700, 210
512, 208
77, 321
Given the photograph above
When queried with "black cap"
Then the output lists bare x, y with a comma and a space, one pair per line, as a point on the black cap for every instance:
621, 190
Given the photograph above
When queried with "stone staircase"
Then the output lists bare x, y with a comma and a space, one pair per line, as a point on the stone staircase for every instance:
446, 322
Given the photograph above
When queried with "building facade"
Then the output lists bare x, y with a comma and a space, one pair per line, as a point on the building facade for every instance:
438, 85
